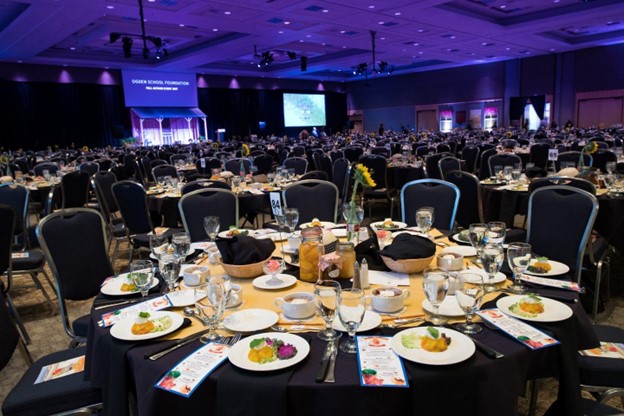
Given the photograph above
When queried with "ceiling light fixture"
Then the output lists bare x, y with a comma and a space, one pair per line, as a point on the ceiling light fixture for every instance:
374, 68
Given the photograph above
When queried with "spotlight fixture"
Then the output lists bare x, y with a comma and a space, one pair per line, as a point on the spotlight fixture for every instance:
292, 55
360, 69
267, 58
375, 69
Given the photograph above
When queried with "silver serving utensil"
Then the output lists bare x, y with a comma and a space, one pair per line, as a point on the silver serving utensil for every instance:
320, 376
330, 377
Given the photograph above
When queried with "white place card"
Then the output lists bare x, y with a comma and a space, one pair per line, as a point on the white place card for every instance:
154, 304
518, 330
378, 365
553, 154
560, 284
276, 203
19, 255
376, 277
189, 373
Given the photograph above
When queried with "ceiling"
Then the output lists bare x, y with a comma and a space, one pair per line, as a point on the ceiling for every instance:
334, 36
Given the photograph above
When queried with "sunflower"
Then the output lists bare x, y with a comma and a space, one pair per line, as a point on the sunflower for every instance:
215, 145
245, 150
590, 148
4, 159
85, 148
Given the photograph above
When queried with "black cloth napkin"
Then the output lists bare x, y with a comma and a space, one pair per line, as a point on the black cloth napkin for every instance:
409, 246
244, 249
368, 249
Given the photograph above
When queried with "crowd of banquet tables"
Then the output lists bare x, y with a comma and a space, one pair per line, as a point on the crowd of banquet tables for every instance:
479, 385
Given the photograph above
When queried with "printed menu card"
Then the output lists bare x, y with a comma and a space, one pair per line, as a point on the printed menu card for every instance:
378, 365
560, 284
154, 304
189, 373
520, 331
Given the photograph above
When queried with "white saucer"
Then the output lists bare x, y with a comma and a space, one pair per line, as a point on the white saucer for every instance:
287, 281
248, 320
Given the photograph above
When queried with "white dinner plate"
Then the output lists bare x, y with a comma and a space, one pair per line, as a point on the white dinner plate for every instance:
153, 257
238, 354
289, 250
466, 251
224, 234
269, 233
498, 278
462, 237
554, 311
249, 320
263, 282
460, 349
202, 245
123, 329
492, 183
371, 321
324, 224
181, 298
113, 286
556, 270
379, 225
449, 306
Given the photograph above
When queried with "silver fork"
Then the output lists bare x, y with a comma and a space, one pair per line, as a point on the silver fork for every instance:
233, 340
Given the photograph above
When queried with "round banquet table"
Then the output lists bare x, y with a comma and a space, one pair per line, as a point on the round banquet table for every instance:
476, 386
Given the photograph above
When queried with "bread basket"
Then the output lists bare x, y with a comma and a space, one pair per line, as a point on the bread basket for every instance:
409, 266
244, 271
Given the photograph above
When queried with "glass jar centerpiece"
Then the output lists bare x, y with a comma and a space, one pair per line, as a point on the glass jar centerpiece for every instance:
362, 177
310, 252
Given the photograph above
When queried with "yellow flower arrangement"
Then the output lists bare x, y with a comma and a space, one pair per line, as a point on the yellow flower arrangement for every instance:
362, 177
348, 140
588, 149
245, 150
215, 145
509, 134
85, 148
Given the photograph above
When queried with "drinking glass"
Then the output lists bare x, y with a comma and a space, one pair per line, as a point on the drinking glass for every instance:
610, 167
519, 258
215, 172
291, 218
160, 181
351, 310
516, 173
142, 273
498, 172
274, 267
469, 294
169, 266
477, 235
326, 294
236, 182
181, 244
159, 244
225, 282
210, 303
424, 219
492, 258
507, 173
435, 285
609, 180
46, 175
496, 232
292, 174
211, 226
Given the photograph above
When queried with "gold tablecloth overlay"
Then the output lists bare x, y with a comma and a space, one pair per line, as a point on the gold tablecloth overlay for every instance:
264, 299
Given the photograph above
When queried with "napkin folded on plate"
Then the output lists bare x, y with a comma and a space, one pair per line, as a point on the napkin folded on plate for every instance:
244, 249
409, 246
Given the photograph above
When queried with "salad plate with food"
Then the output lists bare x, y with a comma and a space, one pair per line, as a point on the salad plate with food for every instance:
462, 237
123, 285
233, 231
532, 307
432, 345
542, 266
269, 351
146, 325
388, 224
316, 223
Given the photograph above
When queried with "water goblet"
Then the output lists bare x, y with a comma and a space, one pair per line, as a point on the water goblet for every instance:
435, 285
516, 173
210, 301
211, 226
498, 172
609, 180
492, 257
610, 167
141, 273
291, 218
424, 219
169, 266
469, 294
496, 232
351, 310
507, 173
519, 258
160, 181
46, 175
181, 244
159, 244
292, 174
326, 294
274, 267
236, 183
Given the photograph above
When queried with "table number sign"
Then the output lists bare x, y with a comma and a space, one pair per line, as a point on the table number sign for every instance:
189, 373
276, 203
203, 163
518, 330
378, 365
553, 154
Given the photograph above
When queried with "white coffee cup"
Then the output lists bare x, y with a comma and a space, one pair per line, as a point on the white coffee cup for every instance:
196, 275
389, 298
214, 255
297, 305
294, 242
236, 296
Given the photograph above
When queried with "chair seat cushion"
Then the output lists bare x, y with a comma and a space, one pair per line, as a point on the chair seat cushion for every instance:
607, 372
81, 326
66, 393
35, 260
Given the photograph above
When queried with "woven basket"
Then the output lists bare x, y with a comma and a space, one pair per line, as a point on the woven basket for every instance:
407, 265
244, 271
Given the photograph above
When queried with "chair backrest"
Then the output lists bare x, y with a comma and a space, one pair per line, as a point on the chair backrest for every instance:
264, 163
132, 202
204, 184
573, 157
196, 205
324, 194
340, 176
441, 195
315, 174
539, 154
233, 165
7, 224
336, 154
470, 154
378, 165
76, 247
484, 170
601, 157
16, 196
353, 153
173, 158
75, 189
563, 181
105, 164
51, 167
470, 208
382, 151
204, 166
90, 167
8, 332
103, 183
324, 163
299, 164
431, 164
561, 237
504, 159
447, 164
161, 171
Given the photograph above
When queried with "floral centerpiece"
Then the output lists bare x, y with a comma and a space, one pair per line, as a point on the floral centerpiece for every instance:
589, 149
362, 177
245, 151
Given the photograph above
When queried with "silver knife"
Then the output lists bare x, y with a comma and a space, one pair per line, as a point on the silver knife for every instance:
329, 378
320, 376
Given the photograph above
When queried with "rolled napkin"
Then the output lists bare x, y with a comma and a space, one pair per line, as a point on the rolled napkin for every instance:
244, 249
409, 246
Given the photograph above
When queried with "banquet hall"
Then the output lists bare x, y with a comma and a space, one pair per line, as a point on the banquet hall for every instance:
125, 121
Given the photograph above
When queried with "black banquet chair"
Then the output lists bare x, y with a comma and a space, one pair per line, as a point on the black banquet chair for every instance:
470, 208
314, 199
299, 164
442, 196
196, 205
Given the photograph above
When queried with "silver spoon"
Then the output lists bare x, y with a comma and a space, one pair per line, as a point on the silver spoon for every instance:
188, 311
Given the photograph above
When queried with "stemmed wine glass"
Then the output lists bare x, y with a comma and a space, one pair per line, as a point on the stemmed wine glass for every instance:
496, 232
159, 244
435, 285
424, 219
181, 244
169, 265
274, 267
210, 300
291, 218
326, 294
211, 226
469, 294
477, 235
492, 257
351, 310
519, 258
142, 274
